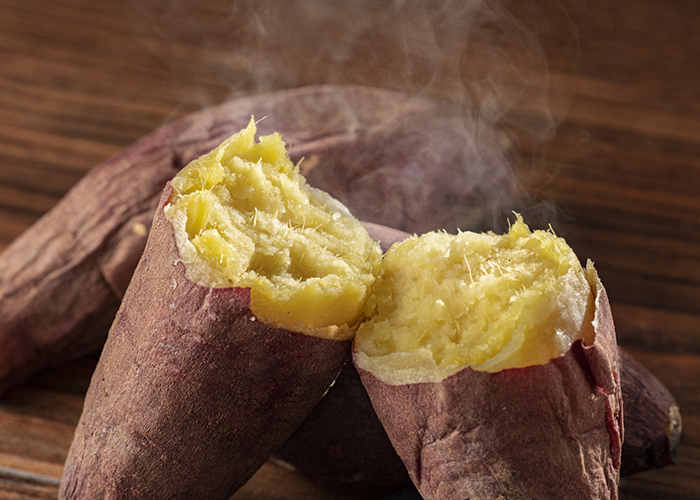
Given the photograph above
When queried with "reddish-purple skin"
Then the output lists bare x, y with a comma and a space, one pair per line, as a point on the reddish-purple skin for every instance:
192, 393
652, 419
550, 431
342, 446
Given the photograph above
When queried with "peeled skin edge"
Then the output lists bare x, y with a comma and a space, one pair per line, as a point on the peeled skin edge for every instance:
193, 391
543, 431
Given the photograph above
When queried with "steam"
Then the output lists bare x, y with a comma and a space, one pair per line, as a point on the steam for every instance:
473, 54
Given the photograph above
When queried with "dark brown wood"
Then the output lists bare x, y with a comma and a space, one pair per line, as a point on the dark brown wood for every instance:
616, 171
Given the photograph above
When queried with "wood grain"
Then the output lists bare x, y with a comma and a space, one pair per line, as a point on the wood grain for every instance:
608, 131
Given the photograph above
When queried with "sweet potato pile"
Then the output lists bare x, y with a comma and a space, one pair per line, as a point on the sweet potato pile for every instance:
61, 282
242, 309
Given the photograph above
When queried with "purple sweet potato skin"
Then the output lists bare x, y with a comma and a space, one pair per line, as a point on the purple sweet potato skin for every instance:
652, 419
542, 432
342, 446
192, 393
392, 158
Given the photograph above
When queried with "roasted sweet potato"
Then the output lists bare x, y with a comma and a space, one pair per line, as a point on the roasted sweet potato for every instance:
61, 281
236, 322
74, 265
492, 363
343, 446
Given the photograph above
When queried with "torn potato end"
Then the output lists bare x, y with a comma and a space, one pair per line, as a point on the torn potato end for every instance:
245, 217
443, 302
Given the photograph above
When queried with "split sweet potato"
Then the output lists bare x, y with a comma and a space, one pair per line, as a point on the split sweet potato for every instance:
236, 322
61, 281
492, 364
343, 446
394, 159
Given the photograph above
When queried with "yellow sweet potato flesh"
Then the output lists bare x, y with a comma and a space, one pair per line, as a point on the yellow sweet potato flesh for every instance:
491, 302
245, 217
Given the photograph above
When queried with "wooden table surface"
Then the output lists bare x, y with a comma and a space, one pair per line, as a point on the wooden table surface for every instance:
600, 102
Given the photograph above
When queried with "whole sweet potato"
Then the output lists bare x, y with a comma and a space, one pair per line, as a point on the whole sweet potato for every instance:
236, 322
394, 159
492, 364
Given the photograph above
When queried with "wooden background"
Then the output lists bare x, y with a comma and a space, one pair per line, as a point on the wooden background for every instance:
600, 100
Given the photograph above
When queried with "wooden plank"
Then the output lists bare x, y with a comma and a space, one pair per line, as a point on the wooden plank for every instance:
620, 179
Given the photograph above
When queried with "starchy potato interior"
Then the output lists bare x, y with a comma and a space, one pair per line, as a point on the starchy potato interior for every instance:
443, 302
245, 217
